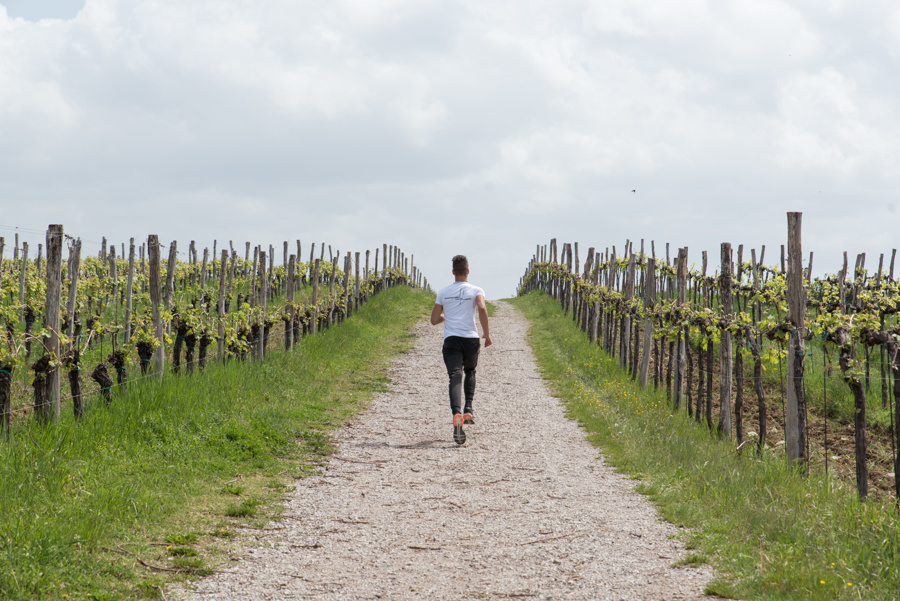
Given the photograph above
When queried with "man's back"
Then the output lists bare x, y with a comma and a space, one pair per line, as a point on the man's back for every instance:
459, 303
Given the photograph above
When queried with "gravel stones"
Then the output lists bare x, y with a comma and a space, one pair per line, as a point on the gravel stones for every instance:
524, 509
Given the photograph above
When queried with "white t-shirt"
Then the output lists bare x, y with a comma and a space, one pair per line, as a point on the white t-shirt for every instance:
458, 301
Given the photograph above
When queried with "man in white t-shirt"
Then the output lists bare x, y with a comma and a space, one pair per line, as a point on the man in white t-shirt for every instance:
455, 308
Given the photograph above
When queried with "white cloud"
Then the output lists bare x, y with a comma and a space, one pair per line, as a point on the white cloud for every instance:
831, 127
365, 122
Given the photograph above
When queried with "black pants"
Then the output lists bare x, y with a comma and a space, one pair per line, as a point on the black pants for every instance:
461, 356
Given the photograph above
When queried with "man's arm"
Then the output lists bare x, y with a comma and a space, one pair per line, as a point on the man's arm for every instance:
483, 318
437, 315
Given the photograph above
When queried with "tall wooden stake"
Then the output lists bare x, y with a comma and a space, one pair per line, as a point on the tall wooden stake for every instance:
681, 299
170, 273
263, 296
51, 308
22, 282
725, 354
315, 297
220, 339
74, 268
159, 356
795, 409
291, 274
129, 292
649, 303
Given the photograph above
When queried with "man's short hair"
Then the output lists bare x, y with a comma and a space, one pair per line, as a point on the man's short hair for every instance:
460, 265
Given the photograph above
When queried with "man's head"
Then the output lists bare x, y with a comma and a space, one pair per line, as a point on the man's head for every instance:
460, 265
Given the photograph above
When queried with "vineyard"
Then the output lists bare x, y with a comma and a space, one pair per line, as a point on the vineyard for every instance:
818, 356
118, 316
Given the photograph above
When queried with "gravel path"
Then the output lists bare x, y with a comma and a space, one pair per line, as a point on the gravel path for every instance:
525, 509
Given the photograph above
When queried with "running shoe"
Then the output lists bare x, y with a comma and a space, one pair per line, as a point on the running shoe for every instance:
458, 435
468, 419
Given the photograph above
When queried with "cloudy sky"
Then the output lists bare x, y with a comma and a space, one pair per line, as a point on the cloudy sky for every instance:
482, 127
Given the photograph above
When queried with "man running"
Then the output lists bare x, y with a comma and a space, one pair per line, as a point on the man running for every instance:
455, 307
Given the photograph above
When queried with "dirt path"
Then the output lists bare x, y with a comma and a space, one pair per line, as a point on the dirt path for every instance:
525, 509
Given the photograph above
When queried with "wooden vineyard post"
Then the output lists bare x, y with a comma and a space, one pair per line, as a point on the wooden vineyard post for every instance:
843, 286
220, 338
568, 292
114, 275
74, 267
626, 315
894, 352
51, 309
5, 374
129, 292
192, 260
315, 298
725, 354
263, 295
842, 335
170, 273
649, 304
809, 269
271, 263
375, 267
331, 281
755, 341
73, 359
346, 284
595, 309
22, 281
795, 410
577, 266
366, 275
289, 297
159, 355
254, 273
203, 269
681, 299
583, 305
356, 283
610, 281
232, 266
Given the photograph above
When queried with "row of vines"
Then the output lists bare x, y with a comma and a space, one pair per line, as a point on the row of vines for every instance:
116, 313
808, 349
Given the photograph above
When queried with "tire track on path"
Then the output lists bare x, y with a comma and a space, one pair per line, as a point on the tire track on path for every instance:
525, 509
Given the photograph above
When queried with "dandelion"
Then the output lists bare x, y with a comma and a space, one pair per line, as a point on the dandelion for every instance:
849, 584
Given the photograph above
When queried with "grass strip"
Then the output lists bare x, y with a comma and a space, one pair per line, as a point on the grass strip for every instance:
770, 533
151, 488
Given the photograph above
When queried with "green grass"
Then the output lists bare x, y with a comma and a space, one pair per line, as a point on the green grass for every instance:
769, 533
179, 464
